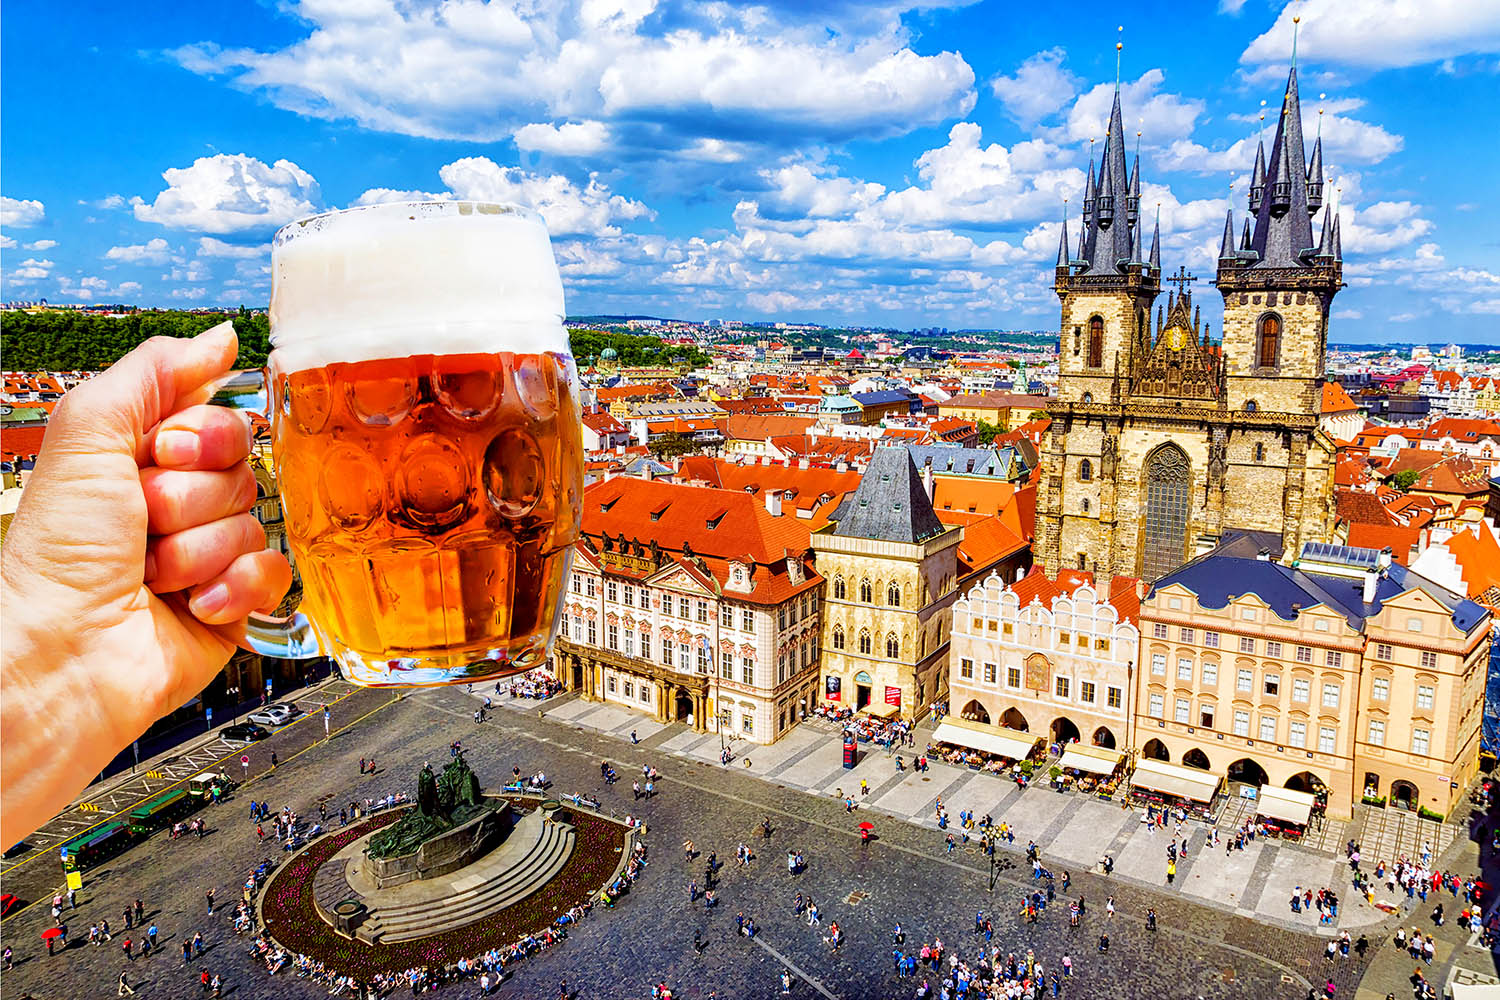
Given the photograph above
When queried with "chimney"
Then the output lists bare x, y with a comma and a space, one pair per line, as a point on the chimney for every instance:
1384, 560
927, 484
1371, 579
1264, 555
773, 503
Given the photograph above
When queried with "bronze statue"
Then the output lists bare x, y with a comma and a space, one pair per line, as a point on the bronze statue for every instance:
443, 802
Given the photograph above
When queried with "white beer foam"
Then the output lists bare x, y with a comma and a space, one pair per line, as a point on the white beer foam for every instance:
394, 280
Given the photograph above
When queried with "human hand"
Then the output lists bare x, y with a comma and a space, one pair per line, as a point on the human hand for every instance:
128, 569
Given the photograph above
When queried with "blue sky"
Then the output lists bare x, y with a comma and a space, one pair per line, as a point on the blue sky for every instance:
824, 160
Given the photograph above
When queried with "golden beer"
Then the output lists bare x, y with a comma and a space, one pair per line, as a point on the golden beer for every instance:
426, 432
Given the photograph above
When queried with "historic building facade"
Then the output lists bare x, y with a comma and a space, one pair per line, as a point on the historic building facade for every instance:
1052, 657
713, 621
1161, 440
1348, 674
892, 570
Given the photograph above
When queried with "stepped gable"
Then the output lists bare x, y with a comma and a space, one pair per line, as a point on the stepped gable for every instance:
890, 504
1179, 363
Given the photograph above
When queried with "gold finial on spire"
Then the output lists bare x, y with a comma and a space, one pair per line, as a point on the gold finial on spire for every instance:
1296, 20
1118, 46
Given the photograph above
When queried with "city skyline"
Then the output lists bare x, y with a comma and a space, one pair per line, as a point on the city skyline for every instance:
886, 167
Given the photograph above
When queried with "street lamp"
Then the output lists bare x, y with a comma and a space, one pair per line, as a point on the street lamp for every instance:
233, 693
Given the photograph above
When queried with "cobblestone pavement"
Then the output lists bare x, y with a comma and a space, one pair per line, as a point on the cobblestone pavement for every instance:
904, 875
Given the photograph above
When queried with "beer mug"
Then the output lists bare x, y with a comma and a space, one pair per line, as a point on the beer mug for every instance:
426, 436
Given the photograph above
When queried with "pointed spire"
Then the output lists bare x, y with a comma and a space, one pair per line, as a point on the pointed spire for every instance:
1155, 260
1136, 257
1226, 248
1088, 189
1258, 177
1315, 177
1283, 227
1133, 202
1062, 244
1325, 242
1338, 250
1245, 236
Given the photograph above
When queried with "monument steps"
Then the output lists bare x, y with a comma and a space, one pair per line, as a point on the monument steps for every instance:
542, 860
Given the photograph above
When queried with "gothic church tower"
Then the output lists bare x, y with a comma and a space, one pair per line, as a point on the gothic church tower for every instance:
1164, 443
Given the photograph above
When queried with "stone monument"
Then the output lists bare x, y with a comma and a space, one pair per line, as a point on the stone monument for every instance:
451, 825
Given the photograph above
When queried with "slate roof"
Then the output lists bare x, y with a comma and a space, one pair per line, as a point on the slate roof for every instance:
883, 397
890, 504
962, 461
1218, 579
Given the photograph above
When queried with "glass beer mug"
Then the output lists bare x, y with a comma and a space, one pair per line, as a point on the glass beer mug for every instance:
425, 427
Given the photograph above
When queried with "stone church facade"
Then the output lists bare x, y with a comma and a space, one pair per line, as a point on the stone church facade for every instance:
1164, 442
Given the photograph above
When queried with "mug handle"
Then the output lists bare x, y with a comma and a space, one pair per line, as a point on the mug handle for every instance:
292, 637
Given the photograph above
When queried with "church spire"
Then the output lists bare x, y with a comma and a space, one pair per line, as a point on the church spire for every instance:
1226, 247
1315, 174
1062, 244
1258, 177
1155, 260
1283, 226
1108, 243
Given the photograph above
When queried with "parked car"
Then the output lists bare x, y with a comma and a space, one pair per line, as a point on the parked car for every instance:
243, 734
272, 715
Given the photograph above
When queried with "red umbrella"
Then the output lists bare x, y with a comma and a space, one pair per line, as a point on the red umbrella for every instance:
51, 932
867, 825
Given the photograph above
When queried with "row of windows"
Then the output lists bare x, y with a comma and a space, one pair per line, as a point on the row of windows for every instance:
978, 626
1421, 739
694, 610
1240, 723
1245, 679
867, 591
1062, 686
1304, 654
866, 644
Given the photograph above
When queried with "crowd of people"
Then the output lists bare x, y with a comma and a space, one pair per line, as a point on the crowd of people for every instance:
538, 683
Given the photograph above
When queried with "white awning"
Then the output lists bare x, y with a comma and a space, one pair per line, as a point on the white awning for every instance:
1473, 991
1095, 760
1004, 742
882, 711
1285, 804
1183, 782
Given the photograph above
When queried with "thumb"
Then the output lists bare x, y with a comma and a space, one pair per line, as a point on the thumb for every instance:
115, 411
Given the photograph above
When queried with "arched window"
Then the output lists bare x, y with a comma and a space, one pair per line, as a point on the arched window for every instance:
893, 594
1088, 397
1260, 452
1251, 406
892, 647
1085, 470
838, 587
838, 637
864, 641
866, 593
1096, 341
1168, 486
1085, 505
1268, 341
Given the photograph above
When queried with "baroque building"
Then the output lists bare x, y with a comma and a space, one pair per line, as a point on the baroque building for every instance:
892, 569
693, 605
1345, 675
1163, 441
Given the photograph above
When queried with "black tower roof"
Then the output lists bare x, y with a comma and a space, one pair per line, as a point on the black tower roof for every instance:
890, 504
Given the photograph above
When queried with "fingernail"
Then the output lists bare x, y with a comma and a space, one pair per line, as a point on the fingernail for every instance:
150, 573
177, 448
210, 601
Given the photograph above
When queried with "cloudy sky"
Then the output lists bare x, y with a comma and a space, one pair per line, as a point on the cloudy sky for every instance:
825, 160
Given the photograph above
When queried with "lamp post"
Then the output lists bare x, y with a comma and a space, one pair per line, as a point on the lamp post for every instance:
233, 694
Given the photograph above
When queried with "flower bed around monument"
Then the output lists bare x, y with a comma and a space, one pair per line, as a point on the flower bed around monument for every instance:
291, 916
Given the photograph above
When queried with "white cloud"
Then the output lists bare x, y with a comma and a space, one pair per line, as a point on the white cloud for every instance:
974, 186
568, 208
6, 243
151, 252
1159, 115
714, 151
30, 269
568, 139
1040, 87
19, 213
210, 247
190, 294
41, 245
1380, 34
110, 201
1231, 7
470, 70
797, 193
231, 192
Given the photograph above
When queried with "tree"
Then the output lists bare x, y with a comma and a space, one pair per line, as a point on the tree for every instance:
987, 433
673, 444
1404, 479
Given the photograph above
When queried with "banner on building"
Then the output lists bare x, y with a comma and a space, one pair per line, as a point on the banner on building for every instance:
893, 696
832, 687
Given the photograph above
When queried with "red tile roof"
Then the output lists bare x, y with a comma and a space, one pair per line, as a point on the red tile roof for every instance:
1336, 400
759, 427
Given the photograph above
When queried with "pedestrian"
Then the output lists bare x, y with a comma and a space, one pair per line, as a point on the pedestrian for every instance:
125, 945
72, 898
129, 918
633, 738
151, 934
209, 895
197, 944
124, 989
273, 760
187, 951
140, 911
